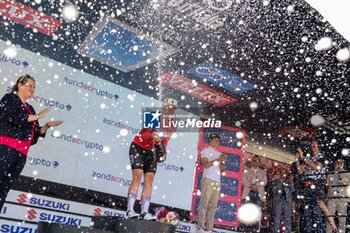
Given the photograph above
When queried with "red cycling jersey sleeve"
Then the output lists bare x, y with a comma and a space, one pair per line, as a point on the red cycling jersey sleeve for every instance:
144, 139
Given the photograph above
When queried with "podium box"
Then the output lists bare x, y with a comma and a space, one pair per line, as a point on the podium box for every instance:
45, 227
136, 225
108, 224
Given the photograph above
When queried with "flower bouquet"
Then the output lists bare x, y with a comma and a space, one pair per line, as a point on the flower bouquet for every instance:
166, 216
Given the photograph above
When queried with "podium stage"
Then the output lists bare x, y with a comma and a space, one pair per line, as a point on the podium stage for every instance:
106, 224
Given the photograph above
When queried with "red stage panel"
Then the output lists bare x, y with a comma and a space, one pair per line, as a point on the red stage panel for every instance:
202, 92
29, 17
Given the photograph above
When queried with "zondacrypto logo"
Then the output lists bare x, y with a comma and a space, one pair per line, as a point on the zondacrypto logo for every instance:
182, 120
47, 102
14, 61
90, 88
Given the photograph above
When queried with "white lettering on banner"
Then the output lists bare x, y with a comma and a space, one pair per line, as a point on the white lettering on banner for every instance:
29, 17
211, 73
198, 13
216, 74
199, 91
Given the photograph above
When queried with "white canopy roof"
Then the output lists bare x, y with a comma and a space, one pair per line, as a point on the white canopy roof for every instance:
336, 12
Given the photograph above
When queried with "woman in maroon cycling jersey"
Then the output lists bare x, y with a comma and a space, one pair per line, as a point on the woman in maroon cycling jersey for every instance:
146, 144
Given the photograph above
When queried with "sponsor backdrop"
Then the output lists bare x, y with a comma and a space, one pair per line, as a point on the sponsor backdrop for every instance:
90, 150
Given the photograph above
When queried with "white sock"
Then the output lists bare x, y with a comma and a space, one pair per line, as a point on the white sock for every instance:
145, 202
131, 201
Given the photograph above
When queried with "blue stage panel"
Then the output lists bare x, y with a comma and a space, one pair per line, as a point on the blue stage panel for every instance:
220, 77
226, 211
233, 163
229, 186
123, 47
227, 138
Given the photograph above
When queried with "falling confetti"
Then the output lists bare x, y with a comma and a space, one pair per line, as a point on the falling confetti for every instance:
249, 213
124, 132
317, 120
106, 149
343, 55
11, 52
70, 13
253, 106
323, 44
345, 152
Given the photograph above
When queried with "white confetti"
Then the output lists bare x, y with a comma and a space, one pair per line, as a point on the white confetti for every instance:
343, 54
239, 135
323, 44
11, 52
106, 149
345, 152
70, 13
317, 120
124, 132
249, 213
253, 105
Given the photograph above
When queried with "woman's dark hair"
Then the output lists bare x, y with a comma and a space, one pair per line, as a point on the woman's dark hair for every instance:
21, 80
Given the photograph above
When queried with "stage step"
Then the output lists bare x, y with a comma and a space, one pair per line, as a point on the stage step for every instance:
142, 226
122, 225
45, 227
107, 224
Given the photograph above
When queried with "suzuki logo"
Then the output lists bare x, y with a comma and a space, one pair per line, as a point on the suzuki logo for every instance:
31, 214
97, 212
22, 198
